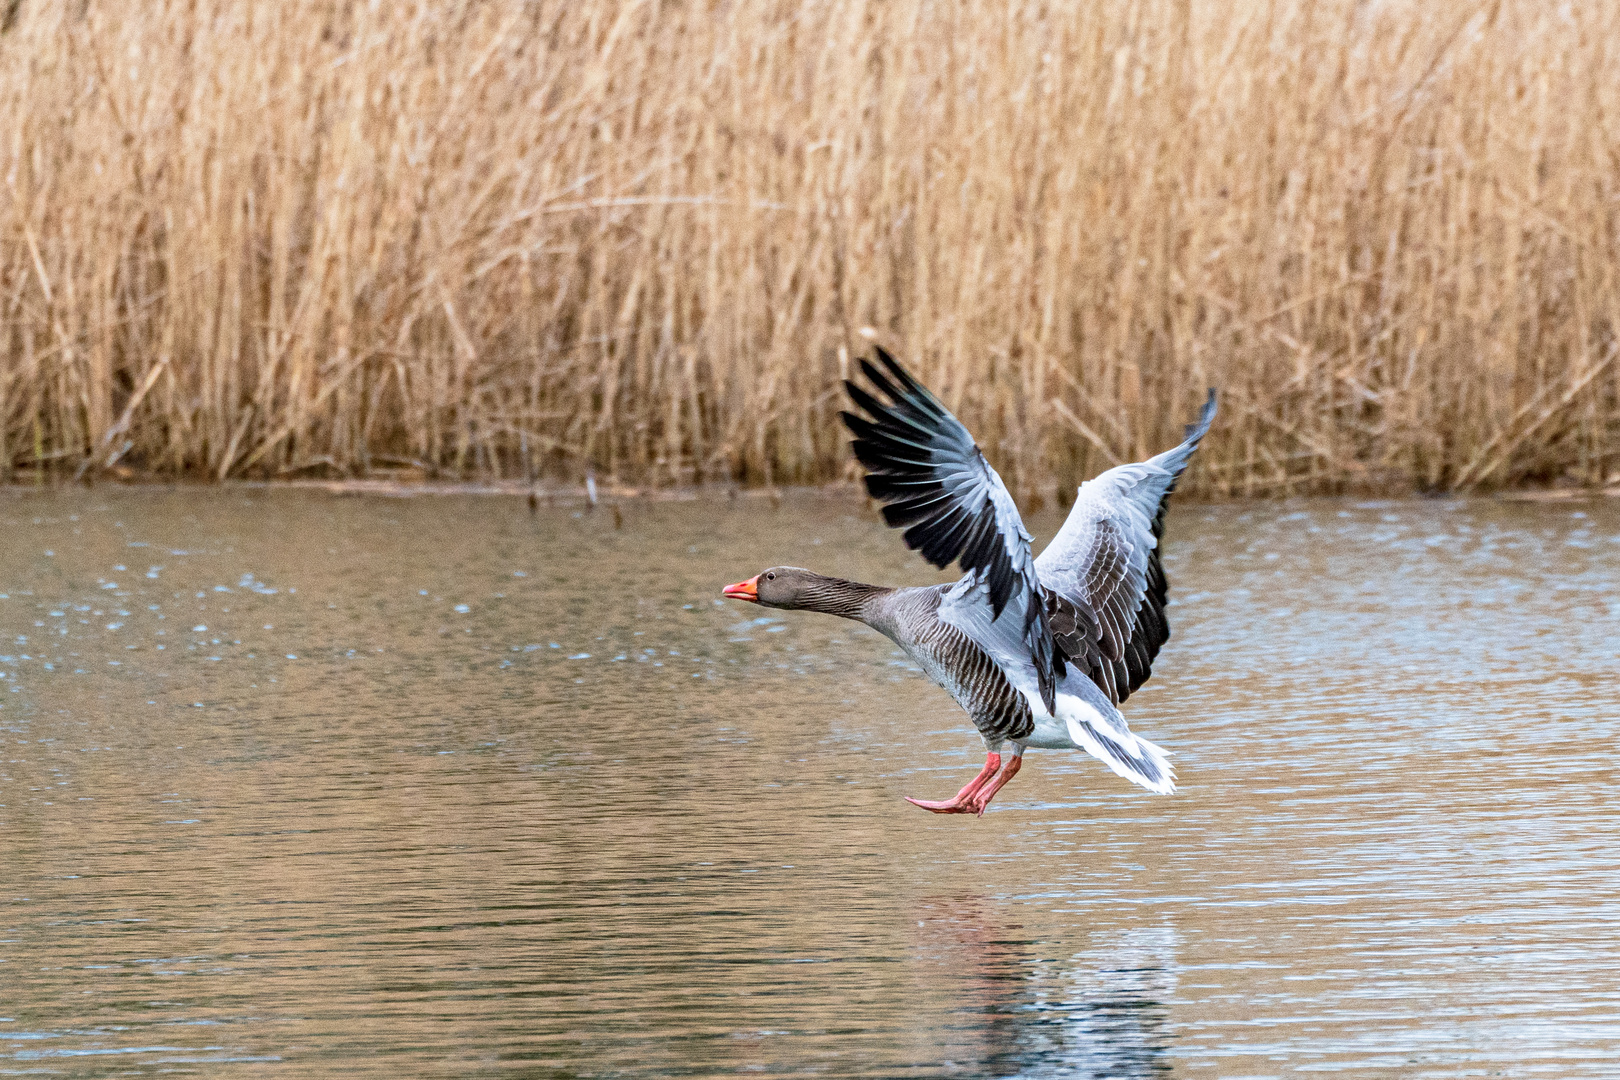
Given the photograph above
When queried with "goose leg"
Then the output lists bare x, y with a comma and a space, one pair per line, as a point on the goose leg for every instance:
981, 798
961, 803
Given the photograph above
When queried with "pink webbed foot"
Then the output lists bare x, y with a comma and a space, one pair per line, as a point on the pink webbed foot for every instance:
981, 798
957, 805
973, 798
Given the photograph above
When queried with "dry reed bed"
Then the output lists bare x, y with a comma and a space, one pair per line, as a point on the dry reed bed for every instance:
513, 238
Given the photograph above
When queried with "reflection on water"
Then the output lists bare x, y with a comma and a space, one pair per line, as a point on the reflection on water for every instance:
295, 784
1101, 1012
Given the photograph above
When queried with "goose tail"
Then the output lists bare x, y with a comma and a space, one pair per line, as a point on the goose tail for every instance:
1109, 740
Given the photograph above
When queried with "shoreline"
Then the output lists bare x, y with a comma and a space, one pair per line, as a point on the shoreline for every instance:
608, 492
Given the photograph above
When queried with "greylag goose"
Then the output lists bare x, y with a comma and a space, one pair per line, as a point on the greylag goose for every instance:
1041, 652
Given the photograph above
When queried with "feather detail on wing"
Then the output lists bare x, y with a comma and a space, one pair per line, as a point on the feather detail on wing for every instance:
925, 468
1104, 584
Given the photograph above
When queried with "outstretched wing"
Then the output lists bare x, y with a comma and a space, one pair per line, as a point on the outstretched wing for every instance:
924, 467
1105, 587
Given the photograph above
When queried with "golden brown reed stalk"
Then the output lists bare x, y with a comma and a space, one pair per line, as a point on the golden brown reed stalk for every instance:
515, 238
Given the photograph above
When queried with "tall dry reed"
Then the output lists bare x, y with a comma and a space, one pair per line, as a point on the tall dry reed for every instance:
520, 238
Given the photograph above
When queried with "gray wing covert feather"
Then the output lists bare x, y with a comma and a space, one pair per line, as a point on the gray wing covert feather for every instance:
1101, 576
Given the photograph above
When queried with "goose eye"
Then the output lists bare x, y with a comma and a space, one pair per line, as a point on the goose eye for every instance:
770, 577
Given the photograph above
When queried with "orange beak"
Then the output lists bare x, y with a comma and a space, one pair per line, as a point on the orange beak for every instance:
744, 590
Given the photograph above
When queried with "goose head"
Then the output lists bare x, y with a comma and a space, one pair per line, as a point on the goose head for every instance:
778, 587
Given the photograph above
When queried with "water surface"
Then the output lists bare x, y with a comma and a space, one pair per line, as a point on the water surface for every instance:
302, 785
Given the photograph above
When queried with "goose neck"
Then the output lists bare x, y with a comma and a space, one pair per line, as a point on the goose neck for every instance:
846, 599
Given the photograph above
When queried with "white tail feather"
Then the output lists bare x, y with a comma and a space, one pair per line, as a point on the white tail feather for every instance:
1132, 757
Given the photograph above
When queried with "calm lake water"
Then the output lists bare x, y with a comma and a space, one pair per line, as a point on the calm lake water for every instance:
305, 785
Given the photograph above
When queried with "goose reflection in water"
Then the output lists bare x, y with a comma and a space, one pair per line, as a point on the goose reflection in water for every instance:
1034, 1009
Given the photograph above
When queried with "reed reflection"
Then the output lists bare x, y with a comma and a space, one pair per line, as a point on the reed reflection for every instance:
1031, 1008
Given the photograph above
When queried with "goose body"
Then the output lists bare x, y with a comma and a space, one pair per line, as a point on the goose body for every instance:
1040, 652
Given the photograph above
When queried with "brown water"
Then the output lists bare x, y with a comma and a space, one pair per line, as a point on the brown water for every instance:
298, 785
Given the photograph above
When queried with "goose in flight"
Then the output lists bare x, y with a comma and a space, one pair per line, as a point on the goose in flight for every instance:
1040, 652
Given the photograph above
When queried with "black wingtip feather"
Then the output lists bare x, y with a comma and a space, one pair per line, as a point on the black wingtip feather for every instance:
924, 466
865, 402
913, 388
876, 377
